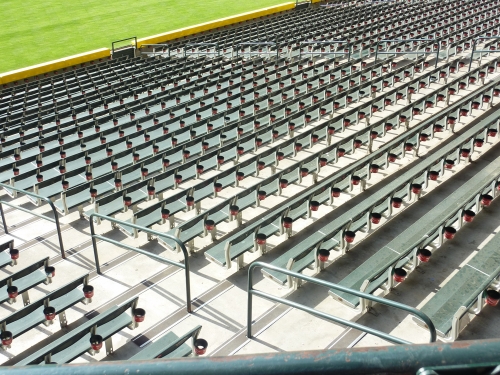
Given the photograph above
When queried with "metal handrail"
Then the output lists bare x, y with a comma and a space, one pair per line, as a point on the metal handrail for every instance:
154, 53
489, 368
55, 220
393, 359
268, 44
184, 265
191, 45
312, 42
122, 40
408, 52
385, 336
474, 42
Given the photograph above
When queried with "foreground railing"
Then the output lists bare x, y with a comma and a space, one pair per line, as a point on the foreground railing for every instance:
397, 359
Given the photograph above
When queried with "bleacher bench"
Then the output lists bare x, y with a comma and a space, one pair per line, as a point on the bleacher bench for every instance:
464, 293
41, 310
170, 346
78, 341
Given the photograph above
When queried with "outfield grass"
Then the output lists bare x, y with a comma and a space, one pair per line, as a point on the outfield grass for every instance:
35, 31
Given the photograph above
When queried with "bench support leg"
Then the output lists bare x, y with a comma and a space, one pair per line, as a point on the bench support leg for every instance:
213, 234
262, 249
62, 319
455, 324
239, 262
479, 304
109, 346
171, 221
364, 304
26, 298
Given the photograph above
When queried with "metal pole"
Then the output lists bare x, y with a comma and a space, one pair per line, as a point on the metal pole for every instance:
55, 220
249, 304
3, 219
437, 56
94, 245
58, 227
131, 248
411, 310
323, 315
472, 53
395, 359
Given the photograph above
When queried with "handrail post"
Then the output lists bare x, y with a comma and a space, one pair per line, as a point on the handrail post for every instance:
385, 336
472, 53
437, 55
188, 278
58, 226
94, 246
249, 305
6, 231
132, 248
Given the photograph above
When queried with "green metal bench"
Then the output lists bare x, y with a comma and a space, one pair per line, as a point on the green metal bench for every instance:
152, 214
402, 252
399, 188
464, 293
114, 203
78, 341
25, 279
60, 300
80, 198
169, 346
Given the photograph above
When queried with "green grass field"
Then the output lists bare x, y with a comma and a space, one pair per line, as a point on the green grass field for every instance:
35, 31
